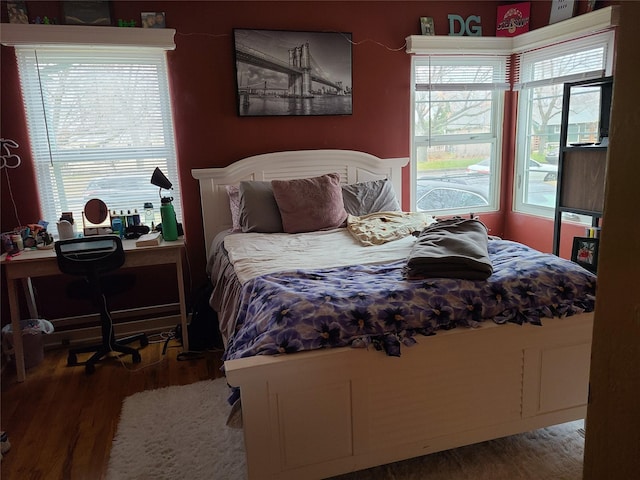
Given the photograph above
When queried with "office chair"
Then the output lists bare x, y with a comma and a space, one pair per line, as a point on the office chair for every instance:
92, 257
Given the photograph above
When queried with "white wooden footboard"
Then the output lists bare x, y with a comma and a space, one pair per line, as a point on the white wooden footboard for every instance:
318, 414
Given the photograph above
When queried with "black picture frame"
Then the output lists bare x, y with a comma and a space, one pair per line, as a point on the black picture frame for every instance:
87, 13
585, 252
285, 73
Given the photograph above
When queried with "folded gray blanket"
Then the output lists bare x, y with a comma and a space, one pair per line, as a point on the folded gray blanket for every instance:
454, 248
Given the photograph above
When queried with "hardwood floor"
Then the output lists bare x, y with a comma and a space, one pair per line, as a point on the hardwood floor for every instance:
61, 422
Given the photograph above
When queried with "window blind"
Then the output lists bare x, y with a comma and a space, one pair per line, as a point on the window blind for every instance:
99, 123
462, 73
573, 60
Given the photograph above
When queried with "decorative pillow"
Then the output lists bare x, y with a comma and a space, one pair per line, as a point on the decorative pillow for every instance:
258, 208
310, 204
370, 197
233, 191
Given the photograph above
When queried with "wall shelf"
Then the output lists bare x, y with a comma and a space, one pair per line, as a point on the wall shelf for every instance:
42, 36
582, 169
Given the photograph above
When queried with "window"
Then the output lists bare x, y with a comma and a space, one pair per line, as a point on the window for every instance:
457, 122
99, 122
542, 75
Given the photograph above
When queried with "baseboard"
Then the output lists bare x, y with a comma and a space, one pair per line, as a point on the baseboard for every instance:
159, 319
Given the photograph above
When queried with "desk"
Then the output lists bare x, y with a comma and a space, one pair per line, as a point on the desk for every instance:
42, 263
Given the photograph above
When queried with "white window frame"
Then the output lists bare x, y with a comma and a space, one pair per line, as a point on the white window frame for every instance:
525, 85
148, 45
494, 137
603, 20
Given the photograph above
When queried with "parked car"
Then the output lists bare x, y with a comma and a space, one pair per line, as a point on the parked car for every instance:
433, 195
483, 167
123, 191
552, 156
551, 171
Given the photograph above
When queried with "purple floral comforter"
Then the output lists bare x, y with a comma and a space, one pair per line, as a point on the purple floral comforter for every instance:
374, 304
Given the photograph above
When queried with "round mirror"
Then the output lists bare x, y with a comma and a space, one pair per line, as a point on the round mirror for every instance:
96, 211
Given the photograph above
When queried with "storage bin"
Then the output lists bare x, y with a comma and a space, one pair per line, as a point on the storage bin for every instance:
33, 332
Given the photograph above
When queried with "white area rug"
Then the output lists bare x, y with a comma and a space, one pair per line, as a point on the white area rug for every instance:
180, 432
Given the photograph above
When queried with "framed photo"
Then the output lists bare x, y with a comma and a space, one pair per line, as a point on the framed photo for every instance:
280, 73
87, 13
561, 10
17, 12
426, 26
152, 20
585, 252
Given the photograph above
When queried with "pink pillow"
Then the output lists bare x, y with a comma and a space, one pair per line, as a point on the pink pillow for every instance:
310, 204
234, 204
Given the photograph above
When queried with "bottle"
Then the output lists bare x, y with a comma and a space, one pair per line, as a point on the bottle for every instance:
169, 222
148, 214
117, 227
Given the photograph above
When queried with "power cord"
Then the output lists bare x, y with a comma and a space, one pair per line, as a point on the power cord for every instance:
163, 337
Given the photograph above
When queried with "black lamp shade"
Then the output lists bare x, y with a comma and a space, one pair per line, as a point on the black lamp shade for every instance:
160, 180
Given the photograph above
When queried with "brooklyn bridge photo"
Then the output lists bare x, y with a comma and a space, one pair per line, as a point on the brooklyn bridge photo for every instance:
292, 73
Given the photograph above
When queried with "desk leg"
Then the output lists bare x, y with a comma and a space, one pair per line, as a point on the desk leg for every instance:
183, 304
15, 328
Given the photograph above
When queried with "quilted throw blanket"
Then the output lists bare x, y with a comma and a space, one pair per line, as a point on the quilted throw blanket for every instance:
374, 304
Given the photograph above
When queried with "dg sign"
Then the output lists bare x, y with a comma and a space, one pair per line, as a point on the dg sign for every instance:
459, 26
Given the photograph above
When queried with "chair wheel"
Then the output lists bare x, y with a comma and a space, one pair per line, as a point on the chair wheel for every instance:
144, 341
89, 368
72, 359
136, 357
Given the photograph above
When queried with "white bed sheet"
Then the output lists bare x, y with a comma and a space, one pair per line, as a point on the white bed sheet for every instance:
255, 254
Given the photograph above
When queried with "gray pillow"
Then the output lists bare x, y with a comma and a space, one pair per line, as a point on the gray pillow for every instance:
370, 197
258, 208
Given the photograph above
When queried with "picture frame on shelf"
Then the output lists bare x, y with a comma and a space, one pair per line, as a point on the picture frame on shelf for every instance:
513, 19
561, 10
87, 13
585, 252
153, 20
292, 73
426, 26
17, 12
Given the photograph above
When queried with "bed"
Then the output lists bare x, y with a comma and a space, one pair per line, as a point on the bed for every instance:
328, 411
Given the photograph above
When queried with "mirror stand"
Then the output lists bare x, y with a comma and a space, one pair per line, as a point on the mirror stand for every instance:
95, 218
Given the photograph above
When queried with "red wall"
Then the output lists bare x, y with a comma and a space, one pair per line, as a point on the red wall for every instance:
210, 134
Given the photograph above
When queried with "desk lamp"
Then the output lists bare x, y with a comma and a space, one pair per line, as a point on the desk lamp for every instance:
160, 180
168, 214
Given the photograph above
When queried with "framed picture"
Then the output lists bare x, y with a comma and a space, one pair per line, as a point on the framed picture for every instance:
280, 73
513, 19
585, 252
426, 26
17, 12
152, 20
86, 13
561, 10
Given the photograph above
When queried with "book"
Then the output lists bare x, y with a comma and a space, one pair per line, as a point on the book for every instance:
149, 239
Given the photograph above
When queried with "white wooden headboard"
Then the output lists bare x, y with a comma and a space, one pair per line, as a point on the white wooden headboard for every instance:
353, 166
